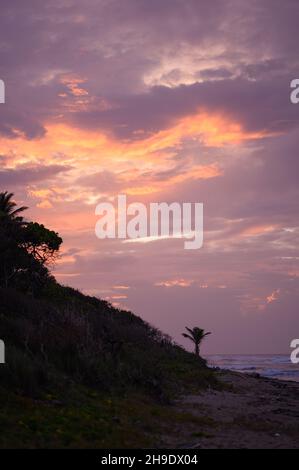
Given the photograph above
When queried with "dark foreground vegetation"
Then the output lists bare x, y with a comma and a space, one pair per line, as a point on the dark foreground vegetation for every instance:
78, 372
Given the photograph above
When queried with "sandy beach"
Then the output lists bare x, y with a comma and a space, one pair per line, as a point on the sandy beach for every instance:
251, 412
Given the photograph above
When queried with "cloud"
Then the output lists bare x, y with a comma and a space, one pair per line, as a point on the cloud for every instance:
174, 283
119, 53
166, 101
24, 175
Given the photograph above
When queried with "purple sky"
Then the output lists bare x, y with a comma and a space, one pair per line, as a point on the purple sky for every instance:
173, 100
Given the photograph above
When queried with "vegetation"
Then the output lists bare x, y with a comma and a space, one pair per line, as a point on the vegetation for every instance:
75, 365
26, 249
8, 207
196, 335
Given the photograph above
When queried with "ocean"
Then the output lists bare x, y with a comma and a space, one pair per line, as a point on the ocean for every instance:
273, 366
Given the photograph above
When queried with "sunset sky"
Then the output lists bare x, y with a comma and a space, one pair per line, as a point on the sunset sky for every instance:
173, 100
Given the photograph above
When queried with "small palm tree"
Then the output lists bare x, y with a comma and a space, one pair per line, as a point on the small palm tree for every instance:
196, 335
8, 208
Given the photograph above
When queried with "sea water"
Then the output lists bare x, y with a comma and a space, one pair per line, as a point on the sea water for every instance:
273, 366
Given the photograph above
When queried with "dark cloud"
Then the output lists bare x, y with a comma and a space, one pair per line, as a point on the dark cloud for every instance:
214, 74
258, 106
30, 174
102, 181
114, 45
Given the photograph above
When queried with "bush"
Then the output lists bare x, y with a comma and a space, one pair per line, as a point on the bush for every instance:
66, 334
23, 373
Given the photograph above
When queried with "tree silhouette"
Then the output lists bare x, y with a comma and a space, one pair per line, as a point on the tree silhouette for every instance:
27, 249
196, 335
8, 208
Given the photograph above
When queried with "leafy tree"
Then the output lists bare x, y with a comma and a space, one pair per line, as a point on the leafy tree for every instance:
43, 244
26, 248
196, 335
12, 257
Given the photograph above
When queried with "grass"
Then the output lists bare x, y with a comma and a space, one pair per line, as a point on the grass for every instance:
88, 419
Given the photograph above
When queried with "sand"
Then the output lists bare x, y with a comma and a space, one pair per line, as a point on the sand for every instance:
251, 412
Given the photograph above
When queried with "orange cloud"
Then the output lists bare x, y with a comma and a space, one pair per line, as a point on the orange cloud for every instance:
175, 283
273, 296
86, 147
198, 172
45, 204
259, 230
121, 287
88, 151
118, 297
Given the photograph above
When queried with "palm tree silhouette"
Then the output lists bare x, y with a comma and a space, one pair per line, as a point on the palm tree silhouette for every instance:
8, 208
196, 335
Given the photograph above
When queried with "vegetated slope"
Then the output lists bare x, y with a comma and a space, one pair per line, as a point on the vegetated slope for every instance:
72, 351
